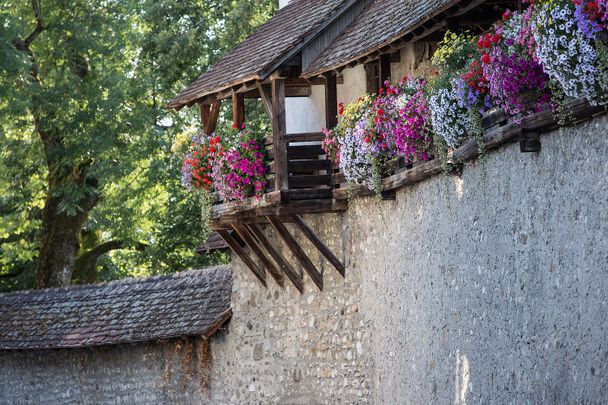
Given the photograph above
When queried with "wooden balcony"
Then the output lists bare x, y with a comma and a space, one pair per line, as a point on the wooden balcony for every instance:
311, 181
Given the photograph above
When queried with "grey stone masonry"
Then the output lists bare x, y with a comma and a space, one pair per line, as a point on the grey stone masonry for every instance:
488, 288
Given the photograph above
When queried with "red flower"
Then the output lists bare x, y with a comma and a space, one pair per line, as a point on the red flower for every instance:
495, 38
506, 15
486, 58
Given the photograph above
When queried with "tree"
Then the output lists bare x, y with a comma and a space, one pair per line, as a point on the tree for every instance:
86, 139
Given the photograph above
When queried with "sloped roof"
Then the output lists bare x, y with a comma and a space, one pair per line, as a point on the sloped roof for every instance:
214, 242
381, 23
268, 45
189, 303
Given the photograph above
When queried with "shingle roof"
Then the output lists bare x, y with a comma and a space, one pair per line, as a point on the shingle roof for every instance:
190, 303
379, 24
271, 42
214, 242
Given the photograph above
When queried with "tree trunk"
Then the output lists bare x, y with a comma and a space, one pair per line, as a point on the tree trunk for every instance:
60, 242
85, 268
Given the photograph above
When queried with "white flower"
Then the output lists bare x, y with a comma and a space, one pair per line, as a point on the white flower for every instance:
449, 121
570, 59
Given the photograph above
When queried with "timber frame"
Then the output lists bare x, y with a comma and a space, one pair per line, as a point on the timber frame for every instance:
302, 180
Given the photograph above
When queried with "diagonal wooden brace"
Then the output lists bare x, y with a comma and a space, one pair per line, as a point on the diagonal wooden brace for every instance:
297, 251
240, 252
293, 276
249, 240
312, 236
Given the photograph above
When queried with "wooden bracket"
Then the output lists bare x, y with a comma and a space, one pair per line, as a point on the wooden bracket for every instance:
325, 251
297, 251
240, 252
250, 241
266, 96
293, 276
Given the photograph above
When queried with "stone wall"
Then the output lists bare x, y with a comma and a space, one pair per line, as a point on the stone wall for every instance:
484, 288
167, 372
283, 347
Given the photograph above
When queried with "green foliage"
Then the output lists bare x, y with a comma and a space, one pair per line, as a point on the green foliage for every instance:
94, 81
454, 55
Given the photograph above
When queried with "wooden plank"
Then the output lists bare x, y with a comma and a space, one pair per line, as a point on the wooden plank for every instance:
309, 181
240, 252
331, 100
325, 251
230, 207
238, 109
309, 165
305, 137
278, 132
319, 81
303, 151
298, 91
310, 194
292, 275
297, 251
249, 240
412, 176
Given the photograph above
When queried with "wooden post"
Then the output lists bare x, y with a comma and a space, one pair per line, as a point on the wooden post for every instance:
312, 236
248, 238
205, 114
331, 101
214, 113
293, 276
385, 69
297, 251
240, 252
278, 132
238, 109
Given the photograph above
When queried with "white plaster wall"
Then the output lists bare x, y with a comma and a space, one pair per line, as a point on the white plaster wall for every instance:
353, 86
306, 114
415, 61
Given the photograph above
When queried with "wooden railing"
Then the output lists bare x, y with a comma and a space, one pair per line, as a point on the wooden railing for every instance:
311, 179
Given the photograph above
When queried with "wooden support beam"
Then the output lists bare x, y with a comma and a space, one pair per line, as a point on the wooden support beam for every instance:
238, 109
249, 240
385, 69
292, 275
240, 252
266, 96
214, 113
325, 251
278, 131
205, 114
331, 100
297, 251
